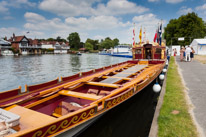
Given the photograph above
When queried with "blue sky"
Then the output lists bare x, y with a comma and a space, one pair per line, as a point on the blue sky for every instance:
95, 19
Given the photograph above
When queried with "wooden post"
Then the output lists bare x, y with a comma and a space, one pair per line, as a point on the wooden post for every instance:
26, 88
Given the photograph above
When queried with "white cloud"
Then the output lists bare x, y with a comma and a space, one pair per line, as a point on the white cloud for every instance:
8, 18
184, 10
90, 27
95, 27
99, 37
95, 22
20, 3
33, 17
8, 32
149, 22
153, 0
201, 8
119, 7
3, 7
174, 1
68, 8
34, 34
26, 2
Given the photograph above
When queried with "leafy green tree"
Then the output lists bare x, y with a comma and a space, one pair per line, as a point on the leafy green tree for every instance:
74, 40
81, 45
59, 39
50, 39
88, 46
189, 26
107, 43
115, 42
95, 43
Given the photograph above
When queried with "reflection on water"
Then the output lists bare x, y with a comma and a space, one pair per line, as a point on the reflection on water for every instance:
33, 69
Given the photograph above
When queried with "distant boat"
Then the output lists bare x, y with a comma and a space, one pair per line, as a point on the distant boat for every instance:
119, 51
79, 53
122, 51
7, 53
129, 55
105, 52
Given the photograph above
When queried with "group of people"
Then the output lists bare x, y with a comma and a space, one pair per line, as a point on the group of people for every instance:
187, 53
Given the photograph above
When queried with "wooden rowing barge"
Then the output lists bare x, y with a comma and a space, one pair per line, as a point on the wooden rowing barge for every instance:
58, 106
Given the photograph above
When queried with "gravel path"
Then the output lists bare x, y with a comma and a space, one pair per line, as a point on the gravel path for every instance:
194, 77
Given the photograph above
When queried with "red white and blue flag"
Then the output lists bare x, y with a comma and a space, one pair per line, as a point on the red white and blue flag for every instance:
160, 34
155, 37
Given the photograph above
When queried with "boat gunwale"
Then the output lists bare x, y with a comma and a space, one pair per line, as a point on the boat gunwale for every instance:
65, 85
95, 103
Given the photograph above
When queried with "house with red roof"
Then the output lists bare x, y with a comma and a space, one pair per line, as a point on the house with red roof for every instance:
19, 43
61, 47
25, 45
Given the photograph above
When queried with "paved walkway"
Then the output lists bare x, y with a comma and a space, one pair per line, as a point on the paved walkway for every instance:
194, 75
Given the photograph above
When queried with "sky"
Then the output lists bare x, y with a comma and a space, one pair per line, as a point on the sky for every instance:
94, 19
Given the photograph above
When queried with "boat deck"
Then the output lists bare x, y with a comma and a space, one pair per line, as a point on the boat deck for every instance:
124, 74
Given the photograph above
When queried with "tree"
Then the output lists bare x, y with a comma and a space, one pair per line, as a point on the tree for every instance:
115, 42
50, 39
74, 40
107, 44
88, 46
59, 39
95, 43
189, 26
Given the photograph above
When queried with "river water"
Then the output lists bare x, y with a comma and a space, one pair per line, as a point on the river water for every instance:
34, 69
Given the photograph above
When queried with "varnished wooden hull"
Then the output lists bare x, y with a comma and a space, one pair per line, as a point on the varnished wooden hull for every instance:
96, 106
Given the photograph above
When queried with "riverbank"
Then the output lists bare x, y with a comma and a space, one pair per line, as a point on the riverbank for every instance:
174, 118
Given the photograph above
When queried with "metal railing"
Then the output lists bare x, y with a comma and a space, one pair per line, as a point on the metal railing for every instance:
30, 47
5, 47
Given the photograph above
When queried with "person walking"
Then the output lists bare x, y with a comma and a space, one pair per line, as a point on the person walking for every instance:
182, 54
192, 53
175, 52
187, 52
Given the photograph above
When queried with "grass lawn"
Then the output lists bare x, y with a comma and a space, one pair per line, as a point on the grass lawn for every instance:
200, 58
174, 119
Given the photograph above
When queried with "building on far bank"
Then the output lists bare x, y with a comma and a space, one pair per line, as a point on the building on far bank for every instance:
19, 43
5, 47
23, 45
199, 45
61, 47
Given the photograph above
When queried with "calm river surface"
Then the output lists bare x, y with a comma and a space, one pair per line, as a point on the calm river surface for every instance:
34, 69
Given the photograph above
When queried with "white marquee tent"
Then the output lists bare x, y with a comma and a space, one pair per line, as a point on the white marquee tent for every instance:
199, 45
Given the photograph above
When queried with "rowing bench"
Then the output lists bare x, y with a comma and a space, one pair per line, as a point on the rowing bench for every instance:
79, 95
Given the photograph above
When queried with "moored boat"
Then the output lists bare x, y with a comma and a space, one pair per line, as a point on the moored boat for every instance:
58, 106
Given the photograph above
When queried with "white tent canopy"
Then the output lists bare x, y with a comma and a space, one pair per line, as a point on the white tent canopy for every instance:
199, 45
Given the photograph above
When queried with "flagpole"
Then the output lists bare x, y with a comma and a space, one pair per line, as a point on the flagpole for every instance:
134, 35
160, 34
144, 35
140, 35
